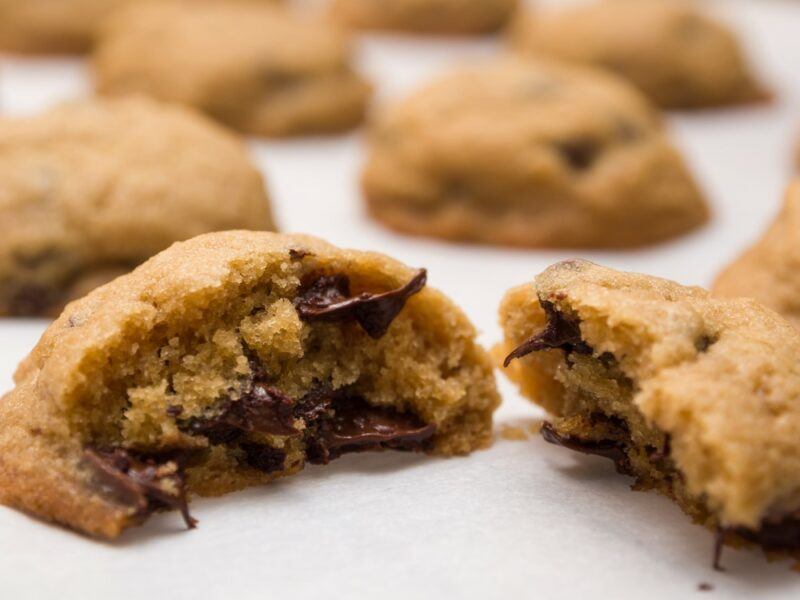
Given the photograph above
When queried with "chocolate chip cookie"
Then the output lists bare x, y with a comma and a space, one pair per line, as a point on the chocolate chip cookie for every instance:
768, 271
696, 397
62, 26
426, 16
230, 360
258, 68
90, 190
530, 153
674, 53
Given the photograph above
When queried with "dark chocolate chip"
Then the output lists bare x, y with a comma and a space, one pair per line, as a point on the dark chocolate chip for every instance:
174, 410
705, 587
353, 425
612, 449
144, 483
778, 533
560, 332
704, 343
262, 409
327, 298
580, 154
298, 254
264, 458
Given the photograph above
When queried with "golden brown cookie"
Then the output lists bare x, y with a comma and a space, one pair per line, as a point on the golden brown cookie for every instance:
769, 271
674, 53
230, 360
425, 16
258, 68
90, 190
696, 397
56, 25
530, 153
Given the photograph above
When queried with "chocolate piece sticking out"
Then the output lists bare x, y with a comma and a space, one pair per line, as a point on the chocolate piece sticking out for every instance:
560, 332
612, 449
775, 534
298, 254
719, 542
261, 410
328, 298
353, 425
145, 484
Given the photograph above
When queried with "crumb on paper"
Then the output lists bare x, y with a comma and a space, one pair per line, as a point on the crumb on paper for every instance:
535, 426
520, 430
513, 433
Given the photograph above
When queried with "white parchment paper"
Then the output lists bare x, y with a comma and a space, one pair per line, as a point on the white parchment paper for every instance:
522, 519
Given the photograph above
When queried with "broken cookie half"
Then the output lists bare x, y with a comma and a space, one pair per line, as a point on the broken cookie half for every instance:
696, 397
230, 360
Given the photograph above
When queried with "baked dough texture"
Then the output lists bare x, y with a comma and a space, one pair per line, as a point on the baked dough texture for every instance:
695, 396
769, 271
92, 189
230, 360
60, 26
530, 153
426, 16
258, 68
674, 53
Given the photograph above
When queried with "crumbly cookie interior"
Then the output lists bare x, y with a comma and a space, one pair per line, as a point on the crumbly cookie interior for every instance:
595, 406
252, 388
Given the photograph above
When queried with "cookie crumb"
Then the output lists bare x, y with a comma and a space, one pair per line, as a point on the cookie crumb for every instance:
513, 433
705, 587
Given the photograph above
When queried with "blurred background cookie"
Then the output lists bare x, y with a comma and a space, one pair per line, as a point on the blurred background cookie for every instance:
674, 53
769, 271
89, 191
425, 16
529, 153
57, 26
258, 68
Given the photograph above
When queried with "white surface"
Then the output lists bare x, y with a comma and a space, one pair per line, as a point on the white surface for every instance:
522, 519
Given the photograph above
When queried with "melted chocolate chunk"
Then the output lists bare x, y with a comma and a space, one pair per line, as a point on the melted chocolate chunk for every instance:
264, 458
261, 410
560, 332
579, 154
328, 298
612, 449
776, 534
145, 483
352, 425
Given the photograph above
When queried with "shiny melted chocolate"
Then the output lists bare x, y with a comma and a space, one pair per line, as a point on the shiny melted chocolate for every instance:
328, 298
